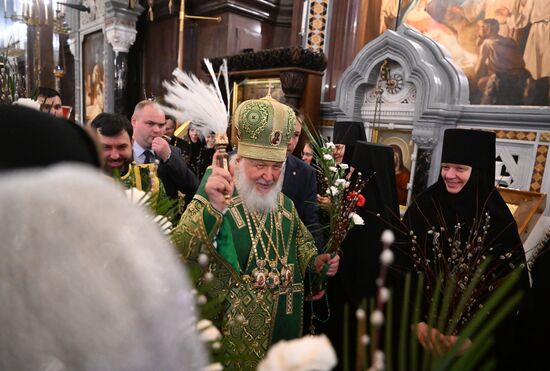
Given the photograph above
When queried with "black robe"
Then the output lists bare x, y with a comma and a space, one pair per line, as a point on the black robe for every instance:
359, 264
32, 138
477, 206
349, 133
534, 321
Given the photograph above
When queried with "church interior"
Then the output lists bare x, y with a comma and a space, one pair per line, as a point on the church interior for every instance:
404, 71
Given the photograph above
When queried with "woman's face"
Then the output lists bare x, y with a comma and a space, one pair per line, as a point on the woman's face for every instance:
338, 152
210, 141
455, 176
307, 154
193, 135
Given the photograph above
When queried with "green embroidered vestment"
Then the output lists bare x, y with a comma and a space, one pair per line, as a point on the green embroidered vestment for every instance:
236, 244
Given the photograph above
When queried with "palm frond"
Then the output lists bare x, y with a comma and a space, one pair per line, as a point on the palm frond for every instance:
479, 328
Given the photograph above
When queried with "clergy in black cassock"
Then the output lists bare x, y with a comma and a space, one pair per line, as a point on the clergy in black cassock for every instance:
458, 207
348, 134
359, 266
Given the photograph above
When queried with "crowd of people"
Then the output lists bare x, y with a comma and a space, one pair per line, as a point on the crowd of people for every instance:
254, 228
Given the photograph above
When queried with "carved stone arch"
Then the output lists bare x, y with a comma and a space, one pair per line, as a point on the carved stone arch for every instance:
441, 101
441, 92
426, 64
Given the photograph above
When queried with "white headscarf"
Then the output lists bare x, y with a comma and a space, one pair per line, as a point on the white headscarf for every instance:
87, 282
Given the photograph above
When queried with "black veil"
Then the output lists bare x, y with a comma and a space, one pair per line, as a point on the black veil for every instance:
477, 211
348, 133
359, 265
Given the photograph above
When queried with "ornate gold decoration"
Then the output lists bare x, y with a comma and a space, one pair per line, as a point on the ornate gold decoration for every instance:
267, 274
317, 25
253, 119
538, 169
245, 319
237, 217
289, 292
182, 17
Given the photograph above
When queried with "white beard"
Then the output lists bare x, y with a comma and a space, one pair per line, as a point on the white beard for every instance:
252, 198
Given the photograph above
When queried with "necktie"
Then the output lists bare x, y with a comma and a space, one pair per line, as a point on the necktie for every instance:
149, 157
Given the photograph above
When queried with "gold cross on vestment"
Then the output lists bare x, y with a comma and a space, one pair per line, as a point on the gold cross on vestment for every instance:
289, 291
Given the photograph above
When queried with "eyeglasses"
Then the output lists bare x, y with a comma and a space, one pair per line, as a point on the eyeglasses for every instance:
307, 154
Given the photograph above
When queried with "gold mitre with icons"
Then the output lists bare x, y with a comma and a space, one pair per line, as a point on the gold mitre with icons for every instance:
264, 127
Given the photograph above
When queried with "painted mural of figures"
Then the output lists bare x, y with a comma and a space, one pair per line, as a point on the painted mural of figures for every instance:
464, 31
500, 69
426, 21
388, 15
475, 10
98, 85
402, 175
454, 24
428, 17
94, 92
536, 13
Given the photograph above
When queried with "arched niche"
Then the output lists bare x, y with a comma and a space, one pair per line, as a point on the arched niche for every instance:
427, 96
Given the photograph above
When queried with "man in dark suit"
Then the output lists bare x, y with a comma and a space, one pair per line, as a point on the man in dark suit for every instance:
300, 185
148, 122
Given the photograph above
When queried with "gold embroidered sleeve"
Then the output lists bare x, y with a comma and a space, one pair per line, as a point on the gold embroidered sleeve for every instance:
199, 225
305, 245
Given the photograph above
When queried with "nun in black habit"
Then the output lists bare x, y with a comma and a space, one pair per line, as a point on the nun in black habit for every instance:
347, 134
359, 269
462, 210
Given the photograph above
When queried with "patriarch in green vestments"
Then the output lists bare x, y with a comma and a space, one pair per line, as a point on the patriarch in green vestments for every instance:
260, 254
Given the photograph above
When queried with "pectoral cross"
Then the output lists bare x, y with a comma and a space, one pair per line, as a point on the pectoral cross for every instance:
182, 18
289, 291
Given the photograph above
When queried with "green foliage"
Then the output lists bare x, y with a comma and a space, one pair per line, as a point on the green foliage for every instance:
161, 204
155, 197
441, 317
12, 83
343, 197
211, 308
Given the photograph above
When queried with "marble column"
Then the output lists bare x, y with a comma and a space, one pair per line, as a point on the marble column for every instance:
120, 37
120, 33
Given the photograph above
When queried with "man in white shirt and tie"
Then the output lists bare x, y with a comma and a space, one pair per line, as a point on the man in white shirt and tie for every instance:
148, 122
